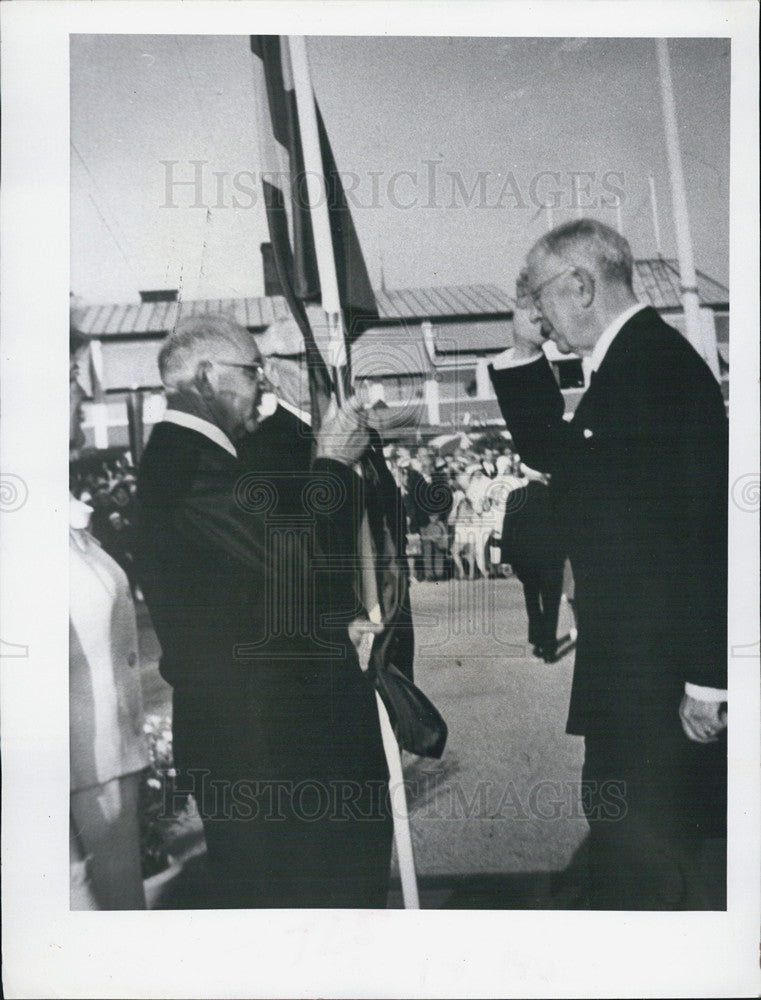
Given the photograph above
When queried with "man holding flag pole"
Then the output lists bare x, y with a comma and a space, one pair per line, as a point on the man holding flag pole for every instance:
324, 261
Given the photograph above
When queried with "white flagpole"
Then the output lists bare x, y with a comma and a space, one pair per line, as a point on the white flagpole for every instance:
318, 207
399, 811
689, 281
331, 304
656, 221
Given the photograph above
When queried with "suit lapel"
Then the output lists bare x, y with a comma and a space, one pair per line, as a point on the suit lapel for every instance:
615, 368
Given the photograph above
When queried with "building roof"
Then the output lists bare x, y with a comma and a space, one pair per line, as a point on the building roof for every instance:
443, 302
473, 337
385, 351
655, 281
147, 318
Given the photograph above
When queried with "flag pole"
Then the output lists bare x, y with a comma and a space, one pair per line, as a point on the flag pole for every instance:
331, 304
319, 211
654, 211
688, 277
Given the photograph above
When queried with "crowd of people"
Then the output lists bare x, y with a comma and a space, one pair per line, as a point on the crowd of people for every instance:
455, 506
250, 531
109, 487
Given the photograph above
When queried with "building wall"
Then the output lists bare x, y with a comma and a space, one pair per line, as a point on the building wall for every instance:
455, 395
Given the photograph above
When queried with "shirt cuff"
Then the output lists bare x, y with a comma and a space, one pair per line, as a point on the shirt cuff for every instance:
700, 693
507, 359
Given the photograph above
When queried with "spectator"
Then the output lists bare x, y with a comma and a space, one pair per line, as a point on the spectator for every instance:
532, 545
107, 747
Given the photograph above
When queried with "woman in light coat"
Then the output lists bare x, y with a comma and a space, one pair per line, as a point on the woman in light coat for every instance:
106, 739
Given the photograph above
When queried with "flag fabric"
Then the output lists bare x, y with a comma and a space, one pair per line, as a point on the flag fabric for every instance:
286, 203
290, 229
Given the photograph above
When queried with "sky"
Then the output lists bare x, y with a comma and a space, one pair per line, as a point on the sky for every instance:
451, 146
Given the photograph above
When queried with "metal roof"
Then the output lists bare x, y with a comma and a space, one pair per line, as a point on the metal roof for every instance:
384, 351
444, 301
655, 281
408, 304
473, 336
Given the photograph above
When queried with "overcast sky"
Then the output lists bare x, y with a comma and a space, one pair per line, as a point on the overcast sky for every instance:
452, 146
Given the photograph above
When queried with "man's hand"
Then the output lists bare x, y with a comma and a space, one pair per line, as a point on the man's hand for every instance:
343, 436
702, 721
527, 335
362, 632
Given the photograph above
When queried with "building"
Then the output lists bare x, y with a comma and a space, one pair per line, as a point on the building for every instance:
424, 363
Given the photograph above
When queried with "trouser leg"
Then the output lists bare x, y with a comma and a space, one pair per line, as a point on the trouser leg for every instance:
294, 806
552, 588
107, 829
533, 609
645, 814
428, 547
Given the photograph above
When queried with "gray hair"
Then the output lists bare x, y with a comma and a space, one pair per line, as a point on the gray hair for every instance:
195, 339
593, 245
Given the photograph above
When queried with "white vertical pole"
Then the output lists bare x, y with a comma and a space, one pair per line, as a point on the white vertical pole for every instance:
689, 282
656, 220
431, 396
318, 201
619, 221
398, 796
549, 216
331, 304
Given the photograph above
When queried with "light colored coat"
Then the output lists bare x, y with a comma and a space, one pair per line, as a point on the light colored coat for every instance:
106, 738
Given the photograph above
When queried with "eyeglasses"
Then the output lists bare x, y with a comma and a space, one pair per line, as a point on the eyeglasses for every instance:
254, 371
535, 294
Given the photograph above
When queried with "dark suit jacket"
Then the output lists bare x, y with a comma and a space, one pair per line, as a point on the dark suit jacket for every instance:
531, 540
640, 474
216, 538
210, 533
247, 566
285, 452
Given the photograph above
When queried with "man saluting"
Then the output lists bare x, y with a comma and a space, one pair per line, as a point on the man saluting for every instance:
640, 478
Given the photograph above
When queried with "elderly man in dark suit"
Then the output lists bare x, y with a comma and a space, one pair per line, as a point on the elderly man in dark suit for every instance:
247, 566
640, 476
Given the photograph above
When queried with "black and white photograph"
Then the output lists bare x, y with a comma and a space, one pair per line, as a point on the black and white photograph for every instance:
411, 586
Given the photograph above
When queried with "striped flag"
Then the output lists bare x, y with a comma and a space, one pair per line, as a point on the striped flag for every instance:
287, 205
384, 577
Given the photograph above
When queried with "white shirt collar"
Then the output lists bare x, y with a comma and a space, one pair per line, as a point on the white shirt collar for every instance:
609, 334
194, 423
79, 513
301, 414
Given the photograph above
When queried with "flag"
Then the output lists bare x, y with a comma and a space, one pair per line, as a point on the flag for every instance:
382, 579
286, 203
295, 254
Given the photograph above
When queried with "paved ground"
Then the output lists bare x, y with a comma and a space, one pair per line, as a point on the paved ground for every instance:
498, 818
